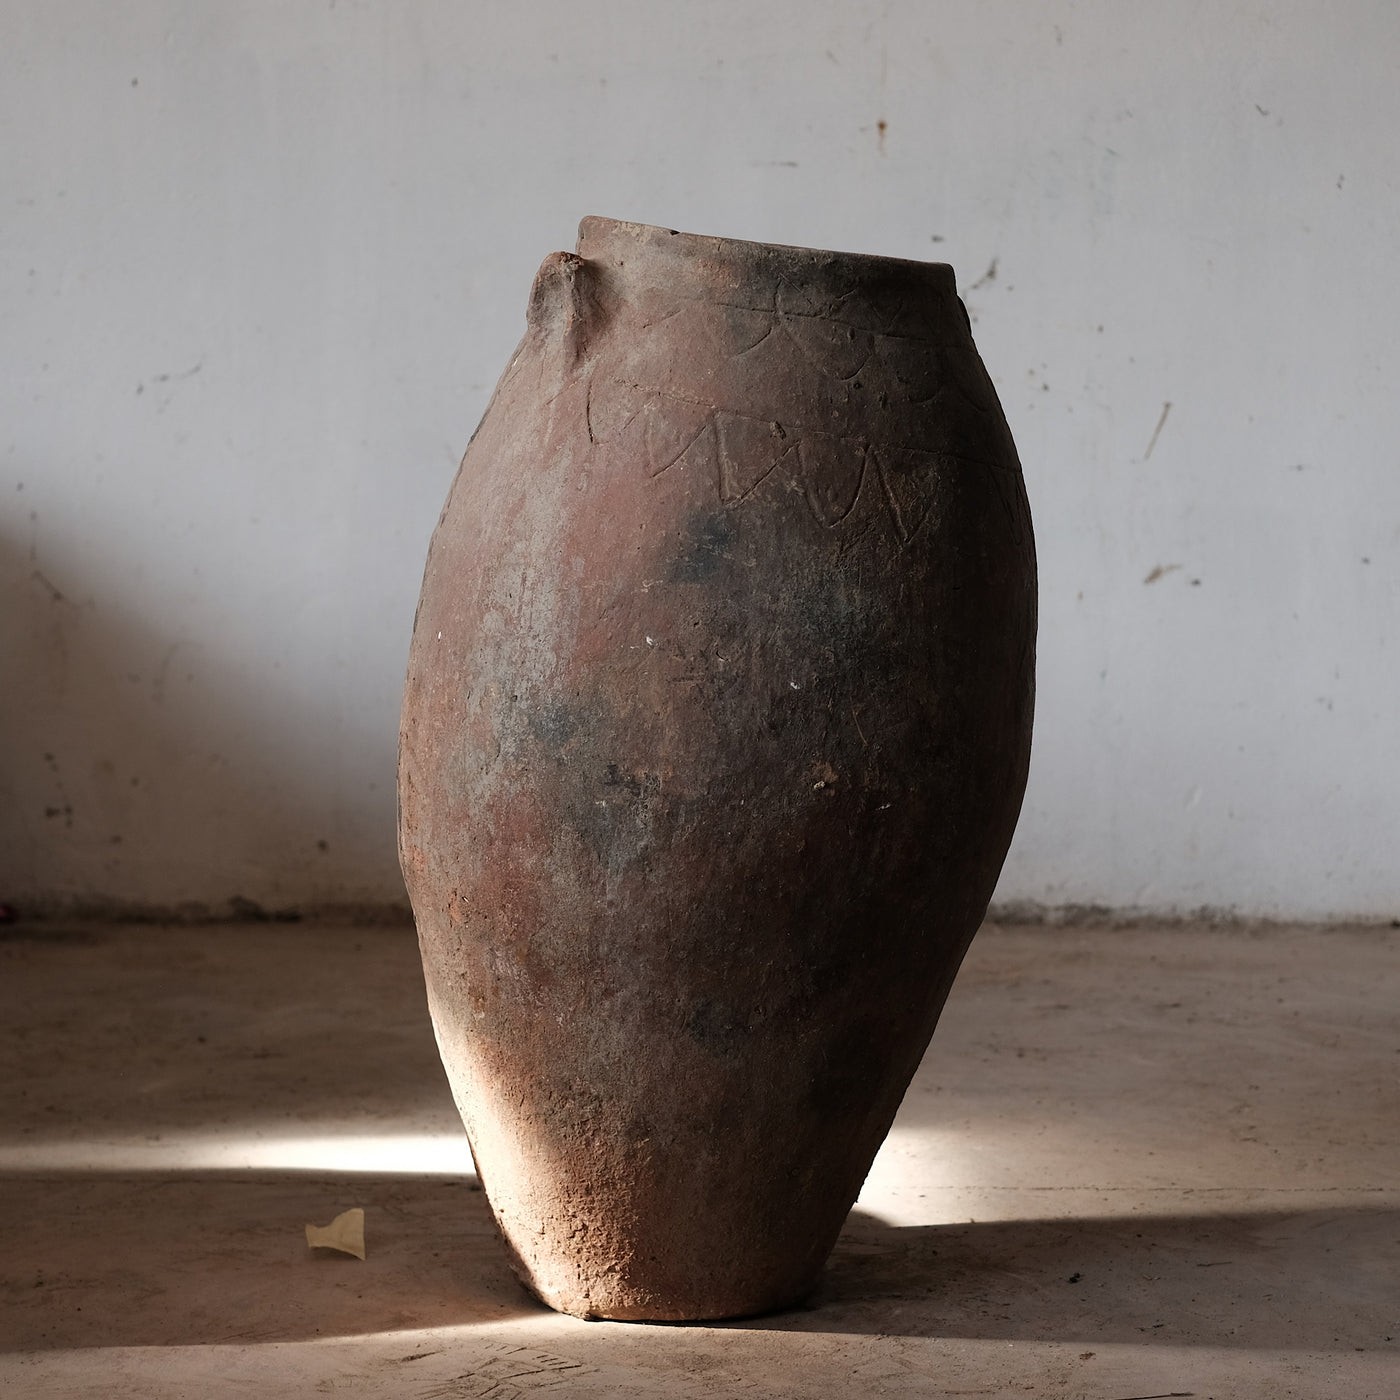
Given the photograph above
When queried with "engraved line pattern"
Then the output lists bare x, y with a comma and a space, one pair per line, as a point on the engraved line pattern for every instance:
790, 301
837, 474
901, 528
656, 399
731, 446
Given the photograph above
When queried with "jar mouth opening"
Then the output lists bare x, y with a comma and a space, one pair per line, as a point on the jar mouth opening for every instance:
613, 238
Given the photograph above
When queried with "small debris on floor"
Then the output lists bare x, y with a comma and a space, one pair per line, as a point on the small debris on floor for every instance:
345, 1233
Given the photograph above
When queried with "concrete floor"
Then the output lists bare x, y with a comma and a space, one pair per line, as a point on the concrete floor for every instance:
1136, 1162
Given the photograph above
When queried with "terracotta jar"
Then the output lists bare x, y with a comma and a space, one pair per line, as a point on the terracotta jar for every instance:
716, 729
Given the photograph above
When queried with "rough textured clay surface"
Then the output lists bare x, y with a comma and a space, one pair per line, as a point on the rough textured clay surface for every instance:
715, 733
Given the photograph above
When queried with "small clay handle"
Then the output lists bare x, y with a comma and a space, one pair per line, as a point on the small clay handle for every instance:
562, 305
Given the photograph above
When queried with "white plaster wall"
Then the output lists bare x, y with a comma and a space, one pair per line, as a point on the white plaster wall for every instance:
261, 262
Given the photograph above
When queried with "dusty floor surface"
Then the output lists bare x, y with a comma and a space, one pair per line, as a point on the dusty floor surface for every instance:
1136, 1162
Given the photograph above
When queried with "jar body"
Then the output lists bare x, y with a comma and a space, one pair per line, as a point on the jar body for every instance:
715, 734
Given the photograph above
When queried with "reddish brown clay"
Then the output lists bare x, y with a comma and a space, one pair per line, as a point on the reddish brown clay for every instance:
715, 733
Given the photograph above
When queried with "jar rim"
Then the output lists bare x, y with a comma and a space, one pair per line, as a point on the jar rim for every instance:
600, 235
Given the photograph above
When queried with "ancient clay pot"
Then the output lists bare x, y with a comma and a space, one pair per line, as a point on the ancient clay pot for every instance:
715, 733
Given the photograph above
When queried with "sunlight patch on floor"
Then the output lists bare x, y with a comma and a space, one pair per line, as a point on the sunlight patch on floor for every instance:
428, 1154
